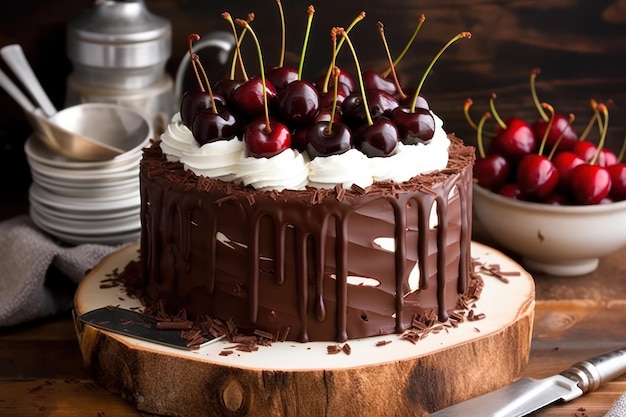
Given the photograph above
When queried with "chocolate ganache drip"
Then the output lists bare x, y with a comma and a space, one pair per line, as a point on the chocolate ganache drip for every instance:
327, 264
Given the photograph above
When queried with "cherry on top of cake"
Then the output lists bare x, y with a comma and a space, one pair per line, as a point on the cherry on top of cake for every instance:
277, 110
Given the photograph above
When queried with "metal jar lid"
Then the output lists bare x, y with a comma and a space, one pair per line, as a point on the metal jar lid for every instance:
122, 36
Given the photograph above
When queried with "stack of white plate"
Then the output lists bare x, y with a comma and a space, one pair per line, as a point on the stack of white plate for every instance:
85, 202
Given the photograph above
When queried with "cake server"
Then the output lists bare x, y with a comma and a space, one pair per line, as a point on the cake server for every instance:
140, 326
527, 395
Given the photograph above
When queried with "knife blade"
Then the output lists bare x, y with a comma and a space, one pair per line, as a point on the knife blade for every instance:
140, 326
526, 395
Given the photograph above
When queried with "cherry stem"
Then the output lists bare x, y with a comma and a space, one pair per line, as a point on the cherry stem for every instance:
479, 134
237, 57
194, 58
329, 128
602, 109
533, 92
310, 13
381, 31
356, 20
492, 105
466, 35
208, 85
245, 24
550, 122
366, 106
466, 106
558, 140
281, 60
333, 38
195, 61
594, 107
422, 18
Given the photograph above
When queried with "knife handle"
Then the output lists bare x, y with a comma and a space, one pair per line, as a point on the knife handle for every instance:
592, 373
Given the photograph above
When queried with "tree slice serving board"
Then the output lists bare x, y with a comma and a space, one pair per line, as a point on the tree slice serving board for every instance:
302, 379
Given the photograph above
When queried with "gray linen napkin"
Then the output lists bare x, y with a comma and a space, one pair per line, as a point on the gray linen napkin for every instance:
619, 407
38, 275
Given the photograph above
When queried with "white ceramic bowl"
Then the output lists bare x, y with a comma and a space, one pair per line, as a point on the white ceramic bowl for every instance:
557, 240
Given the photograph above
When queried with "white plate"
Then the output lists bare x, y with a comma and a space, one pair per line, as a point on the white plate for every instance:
78, 205
83, 215
86, 228
42, 179
88, 192
113, 239
129, 171
39, 152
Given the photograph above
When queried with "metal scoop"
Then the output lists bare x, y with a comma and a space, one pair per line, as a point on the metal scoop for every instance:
70, 144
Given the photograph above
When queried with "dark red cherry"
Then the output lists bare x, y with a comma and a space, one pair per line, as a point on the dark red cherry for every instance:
248, 98
378, 139
380, 104
510, 190
262, 141
617, 172
536, 176
492, 172
374, 81
560, 126
280, 77
298, 139
409, 92
191, 103
565, 162
589, 184
298, 103
298, 135
226, 88
413, 128
209, 126
556, 199
344, 78
515, 141
322, 142
585, 150
326, 99
607, 158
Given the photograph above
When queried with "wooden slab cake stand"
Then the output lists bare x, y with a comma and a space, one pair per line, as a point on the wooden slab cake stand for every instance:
294, 379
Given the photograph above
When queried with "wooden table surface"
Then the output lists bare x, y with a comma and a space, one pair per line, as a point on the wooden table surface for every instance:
41, 369
579, 46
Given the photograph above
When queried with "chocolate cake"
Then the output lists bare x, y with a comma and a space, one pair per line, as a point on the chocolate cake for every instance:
320, 264
287, 213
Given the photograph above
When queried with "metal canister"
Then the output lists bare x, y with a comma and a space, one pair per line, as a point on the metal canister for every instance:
119, 50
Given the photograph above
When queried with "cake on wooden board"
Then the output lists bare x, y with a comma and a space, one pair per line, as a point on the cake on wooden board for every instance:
346, 265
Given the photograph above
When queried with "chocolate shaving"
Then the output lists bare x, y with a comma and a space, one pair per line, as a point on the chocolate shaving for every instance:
284, 332
333, 349
224, 199
263, 334
358, 189
174, 325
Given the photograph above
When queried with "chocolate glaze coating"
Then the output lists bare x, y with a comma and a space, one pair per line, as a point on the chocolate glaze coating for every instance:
275, 260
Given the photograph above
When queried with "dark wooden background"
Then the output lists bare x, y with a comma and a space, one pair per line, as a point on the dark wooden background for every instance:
580, 47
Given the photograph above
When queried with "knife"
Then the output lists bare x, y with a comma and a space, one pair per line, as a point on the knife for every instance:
526, 395
140, 326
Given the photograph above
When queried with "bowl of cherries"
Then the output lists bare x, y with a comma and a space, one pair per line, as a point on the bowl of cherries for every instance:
544, 192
